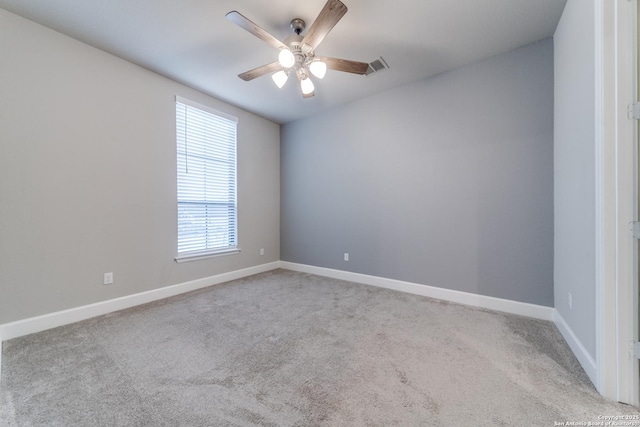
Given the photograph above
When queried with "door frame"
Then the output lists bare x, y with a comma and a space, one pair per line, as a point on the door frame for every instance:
616, 200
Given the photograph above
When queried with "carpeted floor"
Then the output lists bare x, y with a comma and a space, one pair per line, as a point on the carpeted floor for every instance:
290, 349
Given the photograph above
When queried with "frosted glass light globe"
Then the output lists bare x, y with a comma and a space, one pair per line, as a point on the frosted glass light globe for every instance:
318, 69
286, 58
307, 86
280, 78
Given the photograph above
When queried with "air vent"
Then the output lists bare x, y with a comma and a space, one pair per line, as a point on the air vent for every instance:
377, 65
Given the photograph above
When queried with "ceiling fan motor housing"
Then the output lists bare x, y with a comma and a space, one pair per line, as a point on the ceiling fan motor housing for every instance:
294, 42
303, 56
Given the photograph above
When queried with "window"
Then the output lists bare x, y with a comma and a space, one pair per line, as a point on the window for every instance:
206, 160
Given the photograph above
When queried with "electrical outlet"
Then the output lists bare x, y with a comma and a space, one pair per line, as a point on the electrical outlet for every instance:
261, 251
570, 301
108, 278
346, 256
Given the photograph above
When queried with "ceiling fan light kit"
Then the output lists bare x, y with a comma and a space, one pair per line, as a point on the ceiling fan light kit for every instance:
297, 52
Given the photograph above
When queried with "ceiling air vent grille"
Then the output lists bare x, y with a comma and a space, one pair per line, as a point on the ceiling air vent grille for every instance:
377, 65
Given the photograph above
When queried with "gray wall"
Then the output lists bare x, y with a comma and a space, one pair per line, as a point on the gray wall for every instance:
88, 176
574, 182
446, 182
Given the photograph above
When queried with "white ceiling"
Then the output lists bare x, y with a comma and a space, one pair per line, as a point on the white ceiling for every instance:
190, 41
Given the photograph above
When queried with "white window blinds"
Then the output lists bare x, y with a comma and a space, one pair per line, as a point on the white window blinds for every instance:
206, 159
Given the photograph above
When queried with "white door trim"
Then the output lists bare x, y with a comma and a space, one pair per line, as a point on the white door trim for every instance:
616, 322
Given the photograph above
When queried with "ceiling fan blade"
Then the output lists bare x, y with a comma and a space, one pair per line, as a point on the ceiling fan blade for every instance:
329, 16
261, 71
345, 65
245, 23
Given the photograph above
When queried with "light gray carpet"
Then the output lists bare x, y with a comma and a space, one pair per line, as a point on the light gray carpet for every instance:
285, 348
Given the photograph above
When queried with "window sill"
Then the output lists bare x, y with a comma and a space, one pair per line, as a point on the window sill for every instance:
204, 255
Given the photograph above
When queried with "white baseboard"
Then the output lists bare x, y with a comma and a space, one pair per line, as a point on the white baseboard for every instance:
40, 323
52, 320
581, 353
498, 304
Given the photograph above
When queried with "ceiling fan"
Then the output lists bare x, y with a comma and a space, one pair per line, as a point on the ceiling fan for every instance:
297, 52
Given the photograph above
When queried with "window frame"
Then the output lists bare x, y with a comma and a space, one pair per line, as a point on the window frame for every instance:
194, 255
